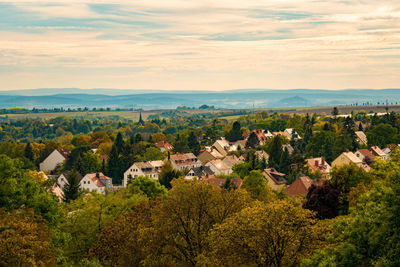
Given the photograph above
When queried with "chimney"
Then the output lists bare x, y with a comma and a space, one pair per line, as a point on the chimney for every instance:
316, 163
322, 161
98, 175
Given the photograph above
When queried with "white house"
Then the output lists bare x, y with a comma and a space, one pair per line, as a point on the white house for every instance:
56, 158
181, 162
292, 134
63, 178
223, 146
96, 182
150, 168
218, 167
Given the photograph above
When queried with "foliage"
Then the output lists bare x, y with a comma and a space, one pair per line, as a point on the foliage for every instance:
150, 187
25, 239
18, 189
256, 184
275, 234
71, 190
167, 174
382, 135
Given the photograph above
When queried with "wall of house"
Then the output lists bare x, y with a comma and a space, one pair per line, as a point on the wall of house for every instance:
87, 184
51, 162
61, 181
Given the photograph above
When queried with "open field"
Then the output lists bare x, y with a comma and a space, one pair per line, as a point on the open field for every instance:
134, 115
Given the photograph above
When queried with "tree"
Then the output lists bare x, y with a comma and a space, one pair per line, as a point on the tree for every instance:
153, 153
71, 190
236, 133
119, 143
167, 174
335, 112
181, 144
90, 162
382, 135
150, 187
193, 143
275, 152
252, 141
25, 239
324, 200
114, 166
256, 184
183, 221
124, 233
18, 189
28, 153
284, 163
275, 234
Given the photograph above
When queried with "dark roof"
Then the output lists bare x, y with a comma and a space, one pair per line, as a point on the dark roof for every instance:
277, 177
202, 170
64, 152
67, 173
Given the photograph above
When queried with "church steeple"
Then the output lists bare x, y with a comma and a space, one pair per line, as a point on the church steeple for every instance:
141, 122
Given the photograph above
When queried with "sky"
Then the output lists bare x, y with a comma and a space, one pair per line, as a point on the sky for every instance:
200, 44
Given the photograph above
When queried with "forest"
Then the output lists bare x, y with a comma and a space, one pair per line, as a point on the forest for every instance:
349, 220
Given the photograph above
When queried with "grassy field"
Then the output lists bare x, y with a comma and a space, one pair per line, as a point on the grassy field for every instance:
134, 115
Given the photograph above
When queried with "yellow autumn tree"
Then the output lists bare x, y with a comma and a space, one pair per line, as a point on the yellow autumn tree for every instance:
274, 234
25, 239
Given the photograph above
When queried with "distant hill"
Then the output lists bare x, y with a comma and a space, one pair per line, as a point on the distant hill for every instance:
157, 99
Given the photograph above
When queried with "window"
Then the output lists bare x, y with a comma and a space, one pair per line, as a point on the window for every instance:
84, 182
88, 182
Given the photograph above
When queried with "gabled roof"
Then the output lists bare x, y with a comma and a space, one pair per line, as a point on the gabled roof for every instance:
362, 137
219, 164
300, 186
64, 152
232, 159
275, 176
202, 170
97, 177
352, 157
183, 159
366, 153
165, 145
378, 151
67, 173
319, 164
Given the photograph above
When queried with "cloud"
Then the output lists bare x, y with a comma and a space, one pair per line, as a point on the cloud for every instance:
220, 44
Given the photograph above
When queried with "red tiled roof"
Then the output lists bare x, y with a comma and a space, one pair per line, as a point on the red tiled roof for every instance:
300, 186
96, 180
366, 153
165, 145
64, 152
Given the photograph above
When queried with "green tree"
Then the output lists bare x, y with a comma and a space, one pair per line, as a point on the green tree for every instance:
28, 153
236, 133
256, 184
181, 144
167, 174
252, 140
90, 162
274, 234
275, 152
71, 190
119, 143
382, 135
193, 143
114, 166
25, 239
153, 153
150, 187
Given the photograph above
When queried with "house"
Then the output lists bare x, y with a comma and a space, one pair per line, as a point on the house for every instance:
220, 182
347, 158
223, 146
239, 144
361, 138
164, 146
375, 150
262, 138
181, 162
275, 179
103, 158
365, 155
300, 186
209, 153
63, 178
389, 149
291, 134
218, 167
231, 161
199, 172
150, 168
55, 159
288, 147
319, 165
96, 182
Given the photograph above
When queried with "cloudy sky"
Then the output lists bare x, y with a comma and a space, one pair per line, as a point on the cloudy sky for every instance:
200, 44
